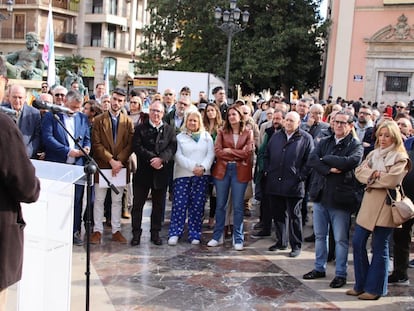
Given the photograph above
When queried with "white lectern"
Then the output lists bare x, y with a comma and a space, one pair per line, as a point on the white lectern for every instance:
47, 263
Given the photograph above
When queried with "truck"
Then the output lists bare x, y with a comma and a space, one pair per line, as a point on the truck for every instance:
196, 81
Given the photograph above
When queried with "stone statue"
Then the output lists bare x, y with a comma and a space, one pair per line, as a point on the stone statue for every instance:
26, 64
74, 77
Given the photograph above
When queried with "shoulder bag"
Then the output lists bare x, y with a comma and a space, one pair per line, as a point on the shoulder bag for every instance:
403, 209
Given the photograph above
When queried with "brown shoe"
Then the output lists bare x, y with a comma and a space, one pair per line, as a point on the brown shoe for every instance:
118, 237
95, 238
126, 214
353, 292
368, 296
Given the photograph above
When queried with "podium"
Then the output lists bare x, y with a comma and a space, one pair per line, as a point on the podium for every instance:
47, 261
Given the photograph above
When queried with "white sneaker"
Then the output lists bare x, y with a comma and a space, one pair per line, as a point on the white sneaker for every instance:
173, 240
214, 243
195, 242
238, 246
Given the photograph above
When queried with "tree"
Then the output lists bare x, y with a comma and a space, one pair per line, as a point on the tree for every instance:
277, 50
73, 63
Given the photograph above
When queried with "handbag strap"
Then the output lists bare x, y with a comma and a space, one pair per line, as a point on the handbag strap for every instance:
389, 195
402, 191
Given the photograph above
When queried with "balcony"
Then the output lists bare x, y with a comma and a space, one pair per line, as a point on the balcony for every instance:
70, 38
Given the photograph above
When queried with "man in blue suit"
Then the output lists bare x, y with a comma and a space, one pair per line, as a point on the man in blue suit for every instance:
59, 147
27, 119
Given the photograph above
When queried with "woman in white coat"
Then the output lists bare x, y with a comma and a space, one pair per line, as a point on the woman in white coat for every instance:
193, 159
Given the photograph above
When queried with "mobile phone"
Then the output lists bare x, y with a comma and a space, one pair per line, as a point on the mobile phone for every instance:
388, 111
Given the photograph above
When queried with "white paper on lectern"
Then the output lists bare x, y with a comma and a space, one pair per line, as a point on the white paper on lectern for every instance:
118, 181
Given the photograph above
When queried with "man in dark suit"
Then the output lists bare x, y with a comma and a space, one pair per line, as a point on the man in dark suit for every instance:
27, 119
154, 144
111, 146
59, 147
19, 184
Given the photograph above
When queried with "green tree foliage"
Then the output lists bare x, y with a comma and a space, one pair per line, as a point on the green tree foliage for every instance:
73, 63
277, 50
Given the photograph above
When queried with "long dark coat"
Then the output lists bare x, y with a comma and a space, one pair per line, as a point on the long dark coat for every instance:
18, 183
148, 143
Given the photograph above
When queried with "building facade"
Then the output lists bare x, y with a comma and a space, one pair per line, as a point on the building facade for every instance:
370, 50
105, 32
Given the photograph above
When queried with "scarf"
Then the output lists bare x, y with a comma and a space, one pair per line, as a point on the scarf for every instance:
194, 135
383, 157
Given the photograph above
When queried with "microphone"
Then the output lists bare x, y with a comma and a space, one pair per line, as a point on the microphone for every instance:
52, 108
8, 111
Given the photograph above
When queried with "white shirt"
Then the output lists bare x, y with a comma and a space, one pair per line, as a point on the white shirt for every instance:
70, 126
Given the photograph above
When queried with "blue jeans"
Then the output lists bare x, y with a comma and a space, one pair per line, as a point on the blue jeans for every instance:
371, 277
340, 220
223, 187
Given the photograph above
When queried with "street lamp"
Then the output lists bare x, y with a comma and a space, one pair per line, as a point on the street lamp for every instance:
9, 6
229, 22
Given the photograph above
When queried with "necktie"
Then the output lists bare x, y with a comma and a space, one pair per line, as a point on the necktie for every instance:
114, 127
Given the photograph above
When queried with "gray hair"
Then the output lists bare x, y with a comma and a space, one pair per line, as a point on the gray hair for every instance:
74, 96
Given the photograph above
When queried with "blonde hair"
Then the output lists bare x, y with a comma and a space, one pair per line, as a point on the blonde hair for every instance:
199, 117
394, 132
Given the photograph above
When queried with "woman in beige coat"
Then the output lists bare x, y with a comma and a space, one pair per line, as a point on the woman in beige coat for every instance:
384, 168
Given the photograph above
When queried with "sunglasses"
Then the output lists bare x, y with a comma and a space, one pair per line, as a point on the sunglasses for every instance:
168, 94
60, 95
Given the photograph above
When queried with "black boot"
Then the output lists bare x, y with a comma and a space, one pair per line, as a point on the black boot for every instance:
155, 238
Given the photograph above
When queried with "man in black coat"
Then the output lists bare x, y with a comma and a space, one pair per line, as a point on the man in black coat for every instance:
18, 184
333, 190
155, 144
285, 171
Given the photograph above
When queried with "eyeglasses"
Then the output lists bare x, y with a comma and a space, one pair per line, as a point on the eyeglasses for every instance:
155, 111
60, 95
400, 107
168, 94
342, 123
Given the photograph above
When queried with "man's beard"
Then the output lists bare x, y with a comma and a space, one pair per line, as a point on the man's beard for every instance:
277, 126
363, 121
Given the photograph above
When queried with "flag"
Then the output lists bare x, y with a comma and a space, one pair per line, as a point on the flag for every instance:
48, 54
106, 78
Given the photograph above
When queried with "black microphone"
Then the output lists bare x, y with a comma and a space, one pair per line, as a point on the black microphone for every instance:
52, 108
8, 111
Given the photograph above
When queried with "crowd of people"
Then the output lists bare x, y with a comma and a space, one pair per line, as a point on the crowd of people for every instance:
342, 157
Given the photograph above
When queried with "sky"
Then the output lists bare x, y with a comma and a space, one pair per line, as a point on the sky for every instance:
323, 8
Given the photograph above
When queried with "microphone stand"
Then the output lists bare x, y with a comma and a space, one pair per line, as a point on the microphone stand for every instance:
90, 168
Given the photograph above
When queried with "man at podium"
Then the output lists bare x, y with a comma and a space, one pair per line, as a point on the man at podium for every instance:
59, 147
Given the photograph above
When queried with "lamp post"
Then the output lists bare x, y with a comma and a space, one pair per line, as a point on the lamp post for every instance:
229, 22
9, 6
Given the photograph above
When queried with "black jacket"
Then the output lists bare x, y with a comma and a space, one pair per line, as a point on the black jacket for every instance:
332, 189
148, 143
285, 163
